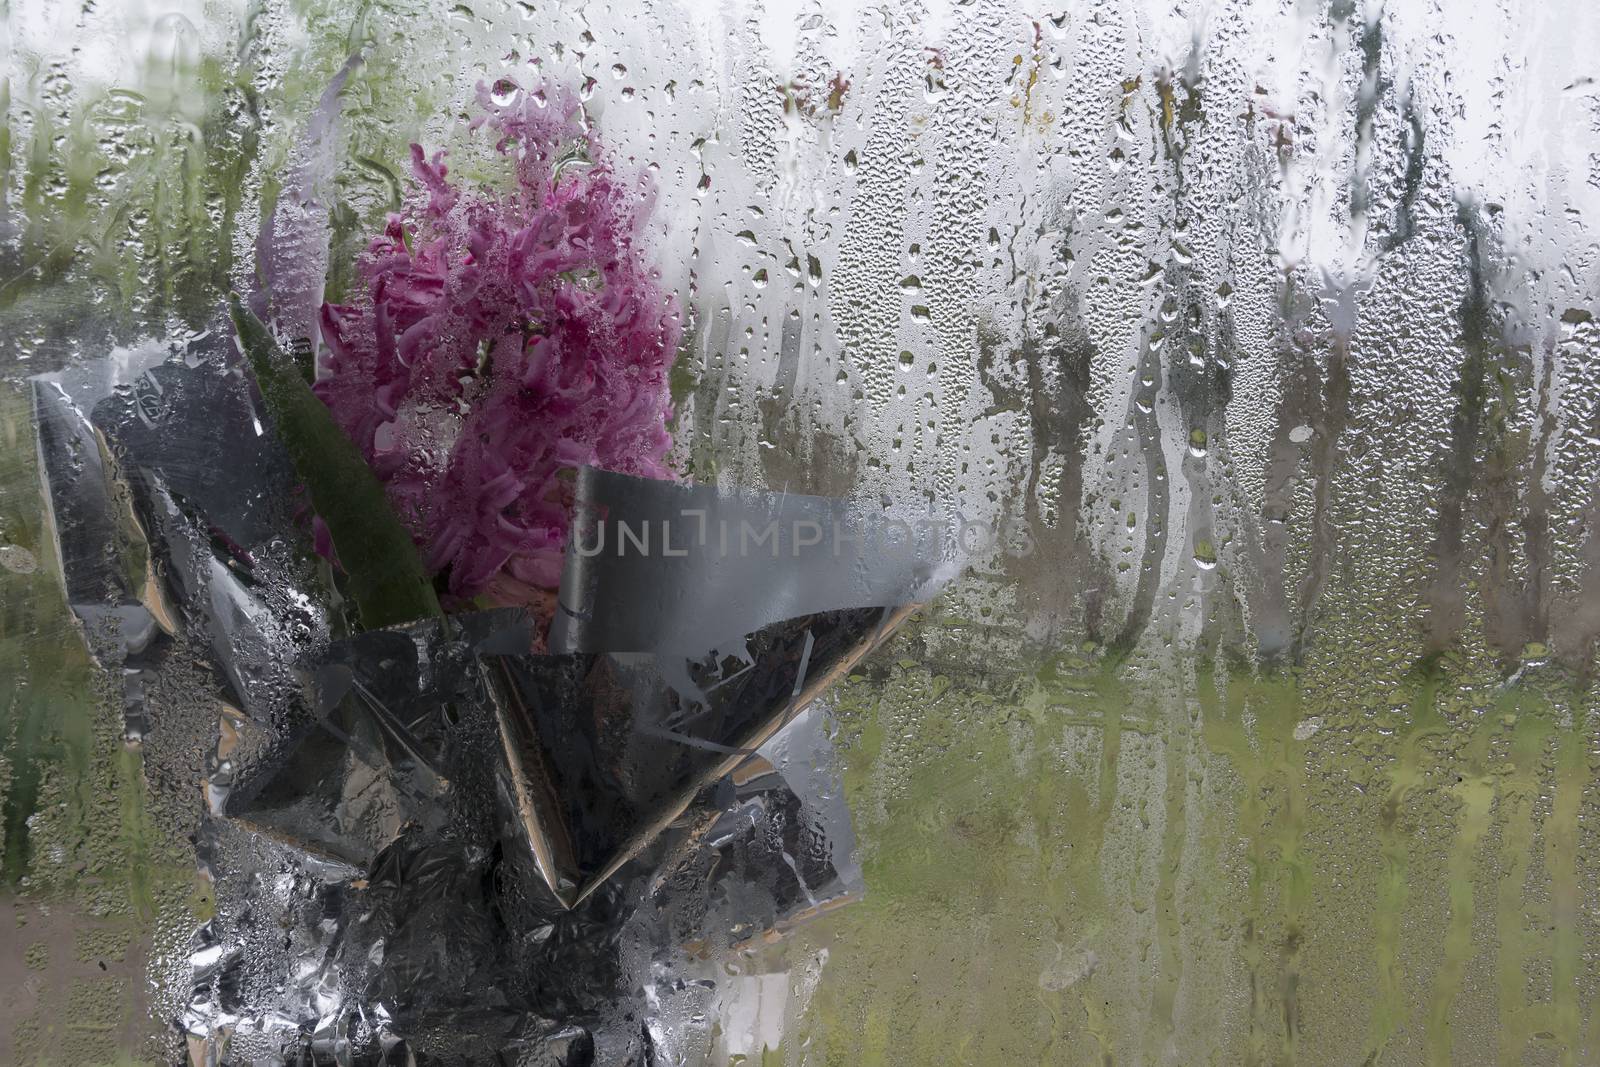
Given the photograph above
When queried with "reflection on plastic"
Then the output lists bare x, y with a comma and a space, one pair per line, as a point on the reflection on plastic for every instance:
433, 813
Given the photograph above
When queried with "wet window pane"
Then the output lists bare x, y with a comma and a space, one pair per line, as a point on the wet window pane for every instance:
1240, 361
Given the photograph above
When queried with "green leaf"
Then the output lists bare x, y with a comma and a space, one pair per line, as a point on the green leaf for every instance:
385, 576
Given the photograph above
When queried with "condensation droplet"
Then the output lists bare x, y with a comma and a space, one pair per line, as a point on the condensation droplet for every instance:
17, 559
504, 92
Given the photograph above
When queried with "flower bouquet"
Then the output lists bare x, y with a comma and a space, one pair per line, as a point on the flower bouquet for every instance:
492, 699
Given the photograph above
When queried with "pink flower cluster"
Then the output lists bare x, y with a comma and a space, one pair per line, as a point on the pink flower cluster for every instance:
505, 337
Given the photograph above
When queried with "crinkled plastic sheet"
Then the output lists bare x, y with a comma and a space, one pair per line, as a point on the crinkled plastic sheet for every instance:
429, 845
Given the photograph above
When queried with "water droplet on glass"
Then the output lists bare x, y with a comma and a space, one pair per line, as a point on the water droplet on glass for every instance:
504, 92
17, 559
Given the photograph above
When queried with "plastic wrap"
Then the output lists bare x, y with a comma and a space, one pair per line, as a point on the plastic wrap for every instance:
429, 844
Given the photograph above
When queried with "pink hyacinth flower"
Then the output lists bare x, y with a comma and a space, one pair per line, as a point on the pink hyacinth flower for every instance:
502, 337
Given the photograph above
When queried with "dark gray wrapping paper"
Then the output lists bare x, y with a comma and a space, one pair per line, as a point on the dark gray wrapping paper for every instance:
427, 843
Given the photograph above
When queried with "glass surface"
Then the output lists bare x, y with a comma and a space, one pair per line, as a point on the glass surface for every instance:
1265, 332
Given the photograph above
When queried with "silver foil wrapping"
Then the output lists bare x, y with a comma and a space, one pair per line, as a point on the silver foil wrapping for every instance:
427, 844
